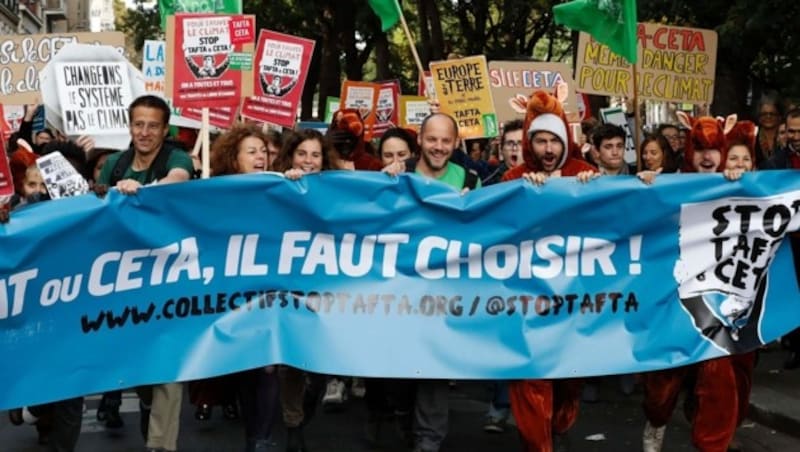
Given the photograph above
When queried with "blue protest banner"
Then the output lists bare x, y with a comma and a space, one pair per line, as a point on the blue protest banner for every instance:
353, 273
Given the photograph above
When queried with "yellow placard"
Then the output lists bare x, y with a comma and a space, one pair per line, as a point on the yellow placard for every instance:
413, 109
676, 64
464, 92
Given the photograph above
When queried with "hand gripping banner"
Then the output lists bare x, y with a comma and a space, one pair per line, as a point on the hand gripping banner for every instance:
352, 273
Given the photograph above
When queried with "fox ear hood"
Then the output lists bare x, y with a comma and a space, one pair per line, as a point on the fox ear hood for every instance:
705, 133
544, 113
349, 120
743, 132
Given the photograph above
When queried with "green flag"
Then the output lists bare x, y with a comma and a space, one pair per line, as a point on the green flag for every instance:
170, 7
611, 22
388, 11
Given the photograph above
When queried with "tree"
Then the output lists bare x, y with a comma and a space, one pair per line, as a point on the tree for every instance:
139, 24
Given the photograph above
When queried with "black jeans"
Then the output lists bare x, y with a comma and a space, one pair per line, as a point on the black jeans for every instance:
258, 398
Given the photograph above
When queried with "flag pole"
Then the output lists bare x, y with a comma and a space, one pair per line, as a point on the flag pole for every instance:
637, 122
408, 36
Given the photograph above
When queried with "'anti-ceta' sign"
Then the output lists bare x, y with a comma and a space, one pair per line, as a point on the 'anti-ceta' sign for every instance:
675, 64
546, 287
209, 59
281, 68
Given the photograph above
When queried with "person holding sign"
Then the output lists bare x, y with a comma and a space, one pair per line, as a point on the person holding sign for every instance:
546, 409
719, 397
243, 150
151, 160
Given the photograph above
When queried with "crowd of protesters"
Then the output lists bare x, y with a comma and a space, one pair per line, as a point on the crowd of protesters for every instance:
536, 148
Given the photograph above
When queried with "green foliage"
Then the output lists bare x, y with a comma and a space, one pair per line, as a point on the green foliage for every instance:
139, 24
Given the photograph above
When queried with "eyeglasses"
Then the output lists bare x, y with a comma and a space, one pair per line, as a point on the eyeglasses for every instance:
513, 144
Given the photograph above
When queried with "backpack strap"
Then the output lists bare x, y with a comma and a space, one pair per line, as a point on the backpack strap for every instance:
123, 163
157, 170
470, 179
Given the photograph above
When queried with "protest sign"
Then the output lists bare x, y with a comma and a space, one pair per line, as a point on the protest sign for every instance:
94, 98
10, 119
361, 96
6, 178
513, 82
675, 64
387, 111
331, 105
222, 117
60, 177
281, 68
103, 83
172, 7
208, 65
425, 86
616, 116
154, 66
530, 296
321, 127
23, 56
413, 109
464, 92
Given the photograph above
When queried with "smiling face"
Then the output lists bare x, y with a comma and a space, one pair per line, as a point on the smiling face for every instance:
739, 158
148, 129
308, 156
707, 160
653, 156
437, 140
394, 150
252, 156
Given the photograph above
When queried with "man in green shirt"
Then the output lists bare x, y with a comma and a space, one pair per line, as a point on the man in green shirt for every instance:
438, 137
141, 165
151, 160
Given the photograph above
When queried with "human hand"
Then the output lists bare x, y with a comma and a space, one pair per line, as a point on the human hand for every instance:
294, 174
648, 176
586, 176
128, 186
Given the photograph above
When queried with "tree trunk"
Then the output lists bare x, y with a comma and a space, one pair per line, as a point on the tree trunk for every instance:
330, 69
312, 80
437, 37
424, 32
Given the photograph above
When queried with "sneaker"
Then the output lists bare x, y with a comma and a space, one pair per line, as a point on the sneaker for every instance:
653, 438
335, 393
494, 425
358, 389
113, 419
15, 416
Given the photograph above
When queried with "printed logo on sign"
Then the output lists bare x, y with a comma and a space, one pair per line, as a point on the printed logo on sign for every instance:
280, 67
207, 47
723, 281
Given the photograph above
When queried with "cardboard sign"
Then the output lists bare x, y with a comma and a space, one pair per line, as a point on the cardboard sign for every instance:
94, 97
60, 177
281, 67
84, 81
23, 56
675, 64
10, 120
6, 179
425, 85
413, 109
616, 116
464, 92
513, 82
154, 66
361, 96
206, 66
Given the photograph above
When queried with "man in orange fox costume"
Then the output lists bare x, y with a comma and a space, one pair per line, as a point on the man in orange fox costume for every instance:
544, 408
721, 387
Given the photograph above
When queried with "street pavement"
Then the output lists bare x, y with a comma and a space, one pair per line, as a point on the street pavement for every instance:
613, 423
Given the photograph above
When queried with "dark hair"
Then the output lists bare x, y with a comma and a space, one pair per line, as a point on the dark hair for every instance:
662, 127
71, 151
607, 132
45, 130
511, 126
770, 98
293, 140
793, 113
150, 101
433, 115
397, 132
225, 149
668, 162
274, 138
